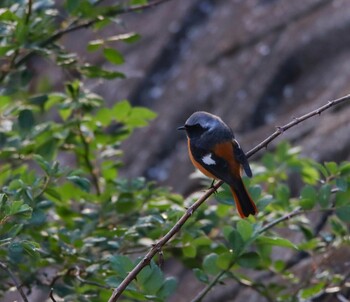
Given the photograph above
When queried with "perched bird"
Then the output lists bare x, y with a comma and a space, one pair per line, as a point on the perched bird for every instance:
215, 152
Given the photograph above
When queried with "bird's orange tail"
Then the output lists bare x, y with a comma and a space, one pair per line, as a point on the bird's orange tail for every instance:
244, 203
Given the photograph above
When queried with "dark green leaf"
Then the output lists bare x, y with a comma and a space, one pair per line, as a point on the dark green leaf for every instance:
313, 290
168, 287
122, 265
26, 120
276, 241
343, 212
341, 184
245, 229
189, 251
283, 194
113, 56
324, 195
209, 264
225, 260
91, 71
308, 197
81, 182
200, 275
249, 260
151, 278
236, 242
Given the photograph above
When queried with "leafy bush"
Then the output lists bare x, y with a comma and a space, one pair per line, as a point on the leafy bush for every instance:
70, 223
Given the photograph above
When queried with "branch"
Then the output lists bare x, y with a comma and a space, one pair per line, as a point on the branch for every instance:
4, 267
88, 163
29, 11
157, 247
206, 289
51, 296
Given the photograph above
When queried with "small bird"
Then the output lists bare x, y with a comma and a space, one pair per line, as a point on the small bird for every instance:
214, 150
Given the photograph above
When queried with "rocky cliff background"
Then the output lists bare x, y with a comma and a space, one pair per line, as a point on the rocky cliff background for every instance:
256, 63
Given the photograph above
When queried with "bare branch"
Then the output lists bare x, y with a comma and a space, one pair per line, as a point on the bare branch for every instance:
5, 268
51, 296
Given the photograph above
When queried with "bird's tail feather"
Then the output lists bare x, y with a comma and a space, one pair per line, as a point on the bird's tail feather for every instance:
244, 203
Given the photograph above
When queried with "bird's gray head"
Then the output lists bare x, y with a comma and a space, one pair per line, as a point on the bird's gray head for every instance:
203, 119
200, 122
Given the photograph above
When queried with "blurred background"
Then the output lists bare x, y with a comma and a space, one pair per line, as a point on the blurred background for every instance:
256, 63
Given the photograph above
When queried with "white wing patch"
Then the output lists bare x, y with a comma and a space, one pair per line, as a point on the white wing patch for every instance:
207, 159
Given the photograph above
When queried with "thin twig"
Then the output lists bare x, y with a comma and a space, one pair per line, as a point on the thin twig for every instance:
5, 268
153, 251
295, 122
51, 296
88, 163
206, 289
29, 11
77, 274
296, 212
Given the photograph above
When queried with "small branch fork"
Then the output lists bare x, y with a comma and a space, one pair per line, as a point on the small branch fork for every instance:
158, 246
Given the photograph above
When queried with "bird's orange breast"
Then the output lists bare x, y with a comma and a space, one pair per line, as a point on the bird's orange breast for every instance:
197, 164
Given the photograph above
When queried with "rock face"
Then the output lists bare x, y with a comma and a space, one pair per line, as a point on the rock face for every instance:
256, 63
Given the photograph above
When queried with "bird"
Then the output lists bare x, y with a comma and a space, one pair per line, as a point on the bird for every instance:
215, 152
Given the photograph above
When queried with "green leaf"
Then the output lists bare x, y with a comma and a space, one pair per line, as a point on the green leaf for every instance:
308, 197
151, 278
341, 184
104, 116
245, 229
309, 245
26, 120
81, 182
122, 265
121, 110
128, 38
31, 248
343, 212
209, 264
283, 194
236, 241
312, 291
276, 241
168, 287
140, 116
249, 260
113, 56
95, 45
310, 175
225, 260
189, 251
264, 202
91, 71
345, 168
324, 195
332, 167
200, 275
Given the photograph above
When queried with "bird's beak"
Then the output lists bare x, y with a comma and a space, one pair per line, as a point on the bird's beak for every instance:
181, 128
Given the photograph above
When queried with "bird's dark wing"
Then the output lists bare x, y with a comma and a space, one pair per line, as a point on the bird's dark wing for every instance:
241, 158
212, 163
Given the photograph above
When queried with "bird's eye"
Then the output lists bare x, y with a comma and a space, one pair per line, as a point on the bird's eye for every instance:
195, 130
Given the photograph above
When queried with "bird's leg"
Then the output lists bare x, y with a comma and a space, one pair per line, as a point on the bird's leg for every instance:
212, 186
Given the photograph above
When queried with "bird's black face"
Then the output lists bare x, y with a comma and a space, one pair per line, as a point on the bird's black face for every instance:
193, 131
